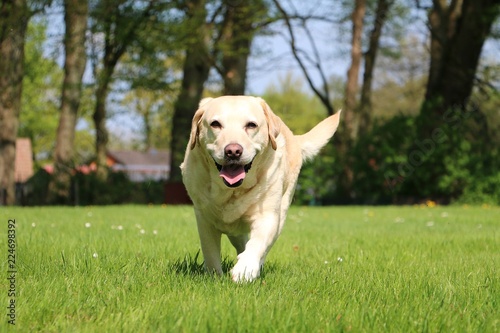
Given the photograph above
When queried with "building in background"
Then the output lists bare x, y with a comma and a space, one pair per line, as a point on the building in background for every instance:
23, 168
141, 166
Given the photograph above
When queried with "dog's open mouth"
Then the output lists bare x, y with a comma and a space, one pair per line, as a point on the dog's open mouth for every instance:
233, 174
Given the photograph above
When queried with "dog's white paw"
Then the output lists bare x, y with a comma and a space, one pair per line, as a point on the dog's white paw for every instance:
246, 269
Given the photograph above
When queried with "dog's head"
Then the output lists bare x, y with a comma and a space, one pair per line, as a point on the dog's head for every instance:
234, 130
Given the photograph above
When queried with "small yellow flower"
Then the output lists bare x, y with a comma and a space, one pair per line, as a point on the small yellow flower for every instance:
430, 203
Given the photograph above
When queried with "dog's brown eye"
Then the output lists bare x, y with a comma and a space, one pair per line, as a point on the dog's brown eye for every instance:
251, 125
215, 124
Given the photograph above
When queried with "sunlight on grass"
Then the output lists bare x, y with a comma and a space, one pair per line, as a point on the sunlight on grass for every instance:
360, 269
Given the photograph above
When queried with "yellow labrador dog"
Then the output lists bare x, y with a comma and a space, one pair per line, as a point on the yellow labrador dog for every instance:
240, 170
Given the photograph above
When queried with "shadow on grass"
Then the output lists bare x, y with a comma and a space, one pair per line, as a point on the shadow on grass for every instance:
194, 266
190, 265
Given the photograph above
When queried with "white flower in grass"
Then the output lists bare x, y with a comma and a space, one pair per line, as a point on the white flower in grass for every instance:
33, 224
142, 231
444, 214
120, 227
340, 259
155, 232
95, 255
87, 225
138, 226
430, 224
326, 262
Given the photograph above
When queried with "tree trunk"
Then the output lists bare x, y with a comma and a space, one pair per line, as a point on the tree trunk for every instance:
365, 106
351, 90
458, 36
120, 30
13, 24
148, 128
195, 73
442, 24
76, 26
344, 139
99, 117
465, 50
237, 34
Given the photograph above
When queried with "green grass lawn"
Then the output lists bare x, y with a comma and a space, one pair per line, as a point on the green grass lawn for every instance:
359, 269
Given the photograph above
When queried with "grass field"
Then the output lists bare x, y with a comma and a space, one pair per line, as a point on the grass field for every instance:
335, 269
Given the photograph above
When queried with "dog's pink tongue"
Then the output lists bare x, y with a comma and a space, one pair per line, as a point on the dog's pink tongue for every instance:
232, 173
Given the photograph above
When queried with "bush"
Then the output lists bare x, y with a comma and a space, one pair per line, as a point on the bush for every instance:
380, 160
483, 185
318, 178
87, 189
118, 189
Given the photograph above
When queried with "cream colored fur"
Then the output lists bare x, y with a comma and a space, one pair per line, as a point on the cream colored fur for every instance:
252, 214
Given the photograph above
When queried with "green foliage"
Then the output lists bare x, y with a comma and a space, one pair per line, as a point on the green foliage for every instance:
301, 112
317, 179
297, 109
483, 183
381, 161
371, 269
392, 164
38, 118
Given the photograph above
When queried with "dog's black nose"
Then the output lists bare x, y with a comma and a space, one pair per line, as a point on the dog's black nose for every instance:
233, 151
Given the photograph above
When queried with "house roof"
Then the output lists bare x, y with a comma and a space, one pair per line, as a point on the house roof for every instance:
24, 160
153, 157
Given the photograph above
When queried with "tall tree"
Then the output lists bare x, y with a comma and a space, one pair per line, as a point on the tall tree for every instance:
75, 18
458, 32
445, 126
119, 21
14, 17
352, 84
196, 68
347, 132
239, 26
40, 95
365, 104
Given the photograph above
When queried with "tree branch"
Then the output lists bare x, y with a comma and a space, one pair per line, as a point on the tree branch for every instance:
323, 95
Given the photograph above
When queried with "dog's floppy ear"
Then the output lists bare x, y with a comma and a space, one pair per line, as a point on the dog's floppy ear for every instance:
195, 123
195, 128
273, 123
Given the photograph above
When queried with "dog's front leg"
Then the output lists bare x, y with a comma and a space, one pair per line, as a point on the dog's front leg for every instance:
263, 233
210, 239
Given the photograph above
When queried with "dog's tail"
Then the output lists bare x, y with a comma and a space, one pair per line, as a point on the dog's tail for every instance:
312, 141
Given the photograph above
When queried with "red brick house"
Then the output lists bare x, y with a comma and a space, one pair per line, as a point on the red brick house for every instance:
24, 160
23, 167
141, 166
